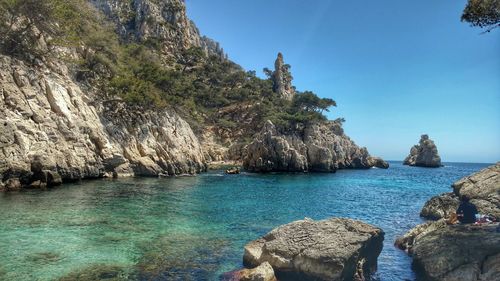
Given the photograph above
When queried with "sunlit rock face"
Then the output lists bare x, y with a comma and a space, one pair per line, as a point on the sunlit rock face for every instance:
424, 154
482, 188
320, 147
52, 130
332, 249
163, 21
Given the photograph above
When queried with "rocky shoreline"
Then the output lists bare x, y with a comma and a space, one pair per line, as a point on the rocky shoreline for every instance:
458, 252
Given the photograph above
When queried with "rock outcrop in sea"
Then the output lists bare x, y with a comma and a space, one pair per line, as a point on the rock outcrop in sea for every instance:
332, 249
424, 154
320, 147
458, 252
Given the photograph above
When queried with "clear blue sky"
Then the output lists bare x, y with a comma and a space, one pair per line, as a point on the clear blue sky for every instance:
397, 69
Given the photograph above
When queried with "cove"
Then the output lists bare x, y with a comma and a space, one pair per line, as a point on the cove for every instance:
194, 228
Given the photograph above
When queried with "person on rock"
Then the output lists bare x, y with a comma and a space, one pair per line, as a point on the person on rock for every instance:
466, 212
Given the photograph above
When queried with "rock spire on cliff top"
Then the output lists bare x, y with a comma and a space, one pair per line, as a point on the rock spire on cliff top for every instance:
282, 79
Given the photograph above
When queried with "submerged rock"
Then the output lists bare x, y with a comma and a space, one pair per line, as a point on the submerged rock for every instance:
333, 249
98, 272
319, 147
424, 154
263, 272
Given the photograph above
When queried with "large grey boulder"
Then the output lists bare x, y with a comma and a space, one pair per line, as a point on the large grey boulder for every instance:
482, 188
425, 154
453, 253
332, 249
319, 147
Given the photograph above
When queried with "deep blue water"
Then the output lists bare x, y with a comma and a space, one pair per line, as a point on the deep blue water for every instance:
194, 228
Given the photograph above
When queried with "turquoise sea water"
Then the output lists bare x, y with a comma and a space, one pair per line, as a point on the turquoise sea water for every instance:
194, 228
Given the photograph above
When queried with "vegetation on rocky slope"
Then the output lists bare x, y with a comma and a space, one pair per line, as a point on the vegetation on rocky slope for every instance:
198, 85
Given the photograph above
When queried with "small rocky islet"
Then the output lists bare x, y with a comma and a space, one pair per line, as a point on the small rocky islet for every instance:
424, 154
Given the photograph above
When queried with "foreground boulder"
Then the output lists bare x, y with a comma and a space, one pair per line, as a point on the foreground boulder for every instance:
320, 147
456, 252
333, 249
482, 188
424, 154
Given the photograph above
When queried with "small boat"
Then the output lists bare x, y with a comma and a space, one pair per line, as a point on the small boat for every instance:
233, 171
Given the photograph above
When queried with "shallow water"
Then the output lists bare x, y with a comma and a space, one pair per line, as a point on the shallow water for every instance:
194, 228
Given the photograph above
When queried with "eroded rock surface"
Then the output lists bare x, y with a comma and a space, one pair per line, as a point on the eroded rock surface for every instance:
456, 252
164, 20
321, 147
482, 188
53, 131
424, 154
333, 249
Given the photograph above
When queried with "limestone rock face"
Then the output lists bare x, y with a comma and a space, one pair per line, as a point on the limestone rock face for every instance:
321, 147
482, 188
53, 131
282, 79
425, 154
164, 20
333, 249
457, 252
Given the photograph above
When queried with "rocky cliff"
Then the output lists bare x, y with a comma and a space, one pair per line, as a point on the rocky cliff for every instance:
76, 105
164, 22
320, 147
425, 154
52, 126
